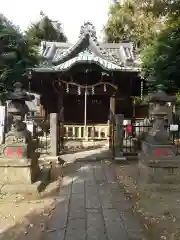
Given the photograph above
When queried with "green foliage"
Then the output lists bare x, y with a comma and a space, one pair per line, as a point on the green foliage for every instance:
161, 8
46, 30
137, 100
154, 25
120, 24
161, 59
16, 54
178, 97
130, 21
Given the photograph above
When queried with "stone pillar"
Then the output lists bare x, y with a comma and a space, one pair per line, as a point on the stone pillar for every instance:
118, 137
54, 134
112, 109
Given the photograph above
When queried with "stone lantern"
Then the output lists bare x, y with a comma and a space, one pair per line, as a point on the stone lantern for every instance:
18, 133
158, 135
18, 161
158, 155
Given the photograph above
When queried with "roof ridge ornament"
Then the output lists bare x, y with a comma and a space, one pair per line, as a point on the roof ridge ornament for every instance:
88, 29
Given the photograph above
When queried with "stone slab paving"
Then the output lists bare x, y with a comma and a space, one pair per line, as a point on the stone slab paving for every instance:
92, 206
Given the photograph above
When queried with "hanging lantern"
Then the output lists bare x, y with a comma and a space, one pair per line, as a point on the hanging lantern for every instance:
67, 88
92, 90
79, 91
105, 89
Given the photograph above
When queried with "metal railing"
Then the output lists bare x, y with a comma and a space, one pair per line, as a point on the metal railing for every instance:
134, 134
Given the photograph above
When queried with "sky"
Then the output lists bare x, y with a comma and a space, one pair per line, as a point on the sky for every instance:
70, 13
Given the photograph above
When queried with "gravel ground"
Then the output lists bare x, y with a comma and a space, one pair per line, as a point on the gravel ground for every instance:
160, 211
25, 217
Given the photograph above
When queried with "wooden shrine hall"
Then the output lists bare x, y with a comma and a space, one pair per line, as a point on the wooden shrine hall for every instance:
86, 82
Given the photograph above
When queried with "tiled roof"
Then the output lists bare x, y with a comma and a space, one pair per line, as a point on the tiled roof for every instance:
63, 54
87, 57
82, 57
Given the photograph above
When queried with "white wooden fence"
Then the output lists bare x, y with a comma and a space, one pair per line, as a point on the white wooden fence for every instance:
93, 132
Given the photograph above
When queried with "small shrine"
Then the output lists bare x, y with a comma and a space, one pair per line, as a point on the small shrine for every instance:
19, 168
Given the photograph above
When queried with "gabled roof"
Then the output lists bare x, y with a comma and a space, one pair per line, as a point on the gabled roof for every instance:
65, 54
83, 57
87, 57
85, 42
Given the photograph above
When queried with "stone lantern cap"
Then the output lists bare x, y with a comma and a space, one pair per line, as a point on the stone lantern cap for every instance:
160, 96
17, 99
160, 111
19, 94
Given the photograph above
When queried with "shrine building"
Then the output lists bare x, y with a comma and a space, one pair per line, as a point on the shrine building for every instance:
88, 81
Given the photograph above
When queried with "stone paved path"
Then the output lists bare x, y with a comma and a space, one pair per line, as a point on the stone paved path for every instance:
91, 206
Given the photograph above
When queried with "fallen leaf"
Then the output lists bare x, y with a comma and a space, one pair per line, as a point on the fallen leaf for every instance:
51, 230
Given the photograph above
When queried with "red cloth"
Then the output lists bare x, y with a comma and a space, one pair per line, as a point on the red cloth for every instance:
129, 129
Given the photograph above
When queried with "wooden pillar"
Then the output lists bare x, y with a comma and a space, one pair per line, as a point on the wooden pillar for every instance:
43, 97
142, 88
42, 111
61, 123
112, 106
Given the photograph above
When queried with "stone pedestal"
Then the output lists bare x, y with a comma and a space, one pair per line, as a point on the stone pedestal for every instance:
19, 168
158, 171
21, 172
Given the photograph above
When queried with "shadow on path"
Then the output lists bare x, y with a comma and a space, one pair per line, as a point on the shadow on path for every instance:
94, 206
90, 205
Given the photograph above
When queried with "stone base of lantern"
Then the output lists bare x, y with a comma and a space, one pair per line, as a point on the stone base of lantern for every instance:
154, 151
22, 176
158, 171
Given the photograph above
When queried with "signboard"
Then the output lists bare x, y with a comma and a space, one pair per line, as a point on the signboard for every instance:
30, 126
174, 127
